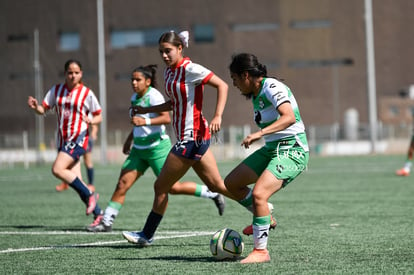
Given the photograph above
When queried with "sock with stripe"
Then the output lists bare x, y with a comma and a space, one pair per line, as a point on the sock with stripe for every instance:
111, 212
203, 192
261, 227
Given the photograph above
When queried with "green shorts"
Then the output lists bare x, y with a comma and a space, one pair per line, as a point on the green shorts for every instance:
285, 159
141, 159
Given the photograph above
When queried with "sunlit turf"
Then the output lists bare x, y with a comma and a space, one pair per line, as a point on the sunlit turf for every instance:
344, 215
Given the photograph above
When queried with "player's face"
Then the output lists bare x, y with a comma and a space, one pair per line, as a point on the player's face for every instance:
241, 82
139, 83
73, 75
171, 55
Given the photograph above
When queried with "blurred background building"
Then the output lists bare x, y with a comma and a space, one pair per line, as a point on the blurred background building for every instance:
318, 47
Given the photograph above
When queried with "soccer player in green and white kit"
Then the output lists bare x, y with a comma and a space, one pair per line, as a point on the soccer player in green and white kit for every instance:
150, 148
283, 157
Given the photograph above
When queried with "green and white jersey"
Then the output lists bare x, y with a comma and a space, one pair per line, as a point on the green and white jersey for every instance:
272, 94
148, 136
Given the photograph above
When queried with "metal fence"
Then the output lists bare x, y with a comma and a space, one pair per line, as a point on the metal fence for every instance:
22, 148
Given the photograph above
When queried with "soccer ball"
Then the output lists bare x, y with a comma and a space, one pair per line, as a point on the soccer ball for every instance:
226, 244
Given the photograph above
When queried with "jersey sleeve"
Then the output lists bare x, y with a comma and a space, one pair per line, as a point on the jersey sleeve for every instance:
277, 93
94, 107
156, 97
198, 74
49, 101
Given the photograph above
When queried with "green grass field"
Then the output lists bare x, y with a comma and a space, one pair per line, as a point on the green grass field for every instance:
344, 215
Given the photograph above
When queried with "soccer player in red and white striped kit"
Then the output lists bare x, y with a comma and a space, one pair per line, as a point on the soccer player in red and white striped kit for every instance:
72, 101
184, 85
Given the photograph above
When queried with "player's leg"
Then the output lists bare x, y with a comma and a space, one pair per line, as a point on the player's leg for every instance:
207, 170
67, 159
244, 174
188, 187
406, 169
56, 172
265, 186
126, 180
238, 179
90, 171
201, 191
174, 168
279, 172
132, 169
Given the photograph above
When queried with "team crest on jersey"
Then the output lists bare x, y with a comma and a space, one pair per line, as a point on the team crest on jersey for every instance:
261, 103
66, 114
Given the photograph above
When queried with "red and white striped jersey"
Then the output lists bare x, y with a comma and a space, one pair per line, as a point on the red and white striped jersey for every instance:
70, 107
184, 85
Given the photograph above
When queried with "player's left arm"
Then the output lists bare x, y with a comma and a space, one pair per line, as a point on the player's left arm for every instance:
222, 91
286, 118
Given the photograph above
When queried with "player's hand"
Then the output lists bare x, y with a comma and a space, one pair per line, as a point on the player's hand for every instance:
137, 121
215, 125
87, 119
32, 102
250, 139
127, 148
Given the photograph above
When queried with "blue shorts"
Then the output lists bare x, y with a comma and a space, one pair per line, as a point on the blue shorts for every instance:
73, 150
191, 149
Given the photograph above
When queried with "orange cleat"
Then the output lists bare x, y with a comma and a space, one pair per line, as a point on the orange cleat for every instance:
249, 229
62, 187
98, 219
402, 172
257, 256
93, 199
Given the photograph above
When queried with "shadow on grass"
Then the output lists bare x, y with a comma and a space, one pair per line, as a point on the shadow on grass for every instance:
174, 258
44, 227
54, 228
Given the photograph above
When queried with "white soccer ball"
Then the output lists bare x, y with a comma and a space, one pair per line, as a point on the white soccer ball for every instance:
226, 244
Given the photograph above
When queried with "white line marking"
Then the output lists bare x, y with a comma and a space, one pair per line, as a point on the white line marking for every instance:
159, 236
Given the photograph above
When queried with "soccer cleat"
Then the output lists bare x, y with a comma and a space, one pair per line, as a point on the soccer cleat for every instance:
402, 172
98, 225
257, 256
93, 199
220, 203
62, 186
91, 187
249, 229
96, 221
137, 238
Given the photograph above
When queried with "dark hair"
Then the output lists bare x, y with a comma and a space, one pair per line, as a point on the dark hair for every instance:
149, 72
246, 62
70, 61
172, 38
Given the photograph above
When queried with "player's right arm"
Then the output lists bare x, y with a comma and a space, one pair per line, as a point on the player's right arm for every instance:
33, 104
165, 107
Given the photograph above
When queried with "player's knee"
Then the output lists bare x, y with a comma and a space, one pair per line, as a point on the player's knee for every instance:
160, 190
56, 172
174, 190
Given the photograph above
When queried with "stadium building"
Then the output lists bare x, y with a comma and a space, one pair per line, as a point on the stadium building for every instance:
318, 47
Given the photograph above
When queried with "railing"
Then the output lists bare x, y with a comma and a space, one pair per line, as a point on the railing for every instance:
21, 148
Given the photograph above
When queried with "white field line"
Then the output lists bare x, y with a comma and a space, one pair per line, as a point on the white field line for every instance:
159, 236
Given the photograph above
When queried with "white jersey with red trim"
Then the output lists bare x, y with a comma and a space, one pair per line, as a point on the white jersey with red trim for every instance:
184, 86
70, 107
